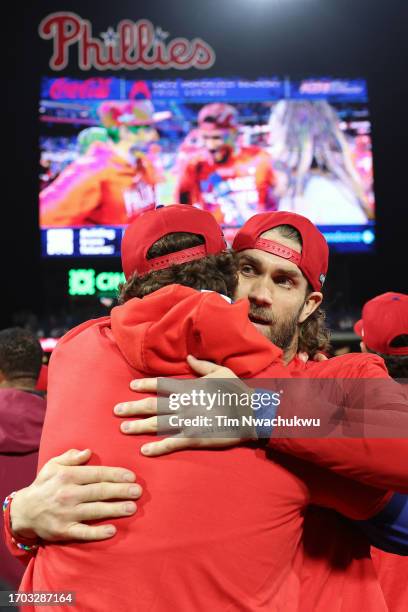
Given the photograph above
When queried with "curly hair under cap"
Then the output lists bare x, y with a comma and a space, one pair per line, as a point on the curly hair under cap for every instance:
214, 272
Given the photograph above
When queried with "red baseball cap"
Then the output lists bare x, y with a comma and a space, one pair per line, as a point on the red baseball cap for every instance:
154, 224
218, 116
384, 318
314, 258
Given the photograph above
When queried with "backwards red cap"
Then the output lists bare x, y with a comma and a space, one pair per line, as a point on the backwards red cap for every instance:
314, 258
154, 224
384, 318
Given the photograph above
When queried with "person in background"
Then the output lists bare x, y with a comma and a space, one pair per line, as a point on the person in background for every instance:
383, 330
22, 411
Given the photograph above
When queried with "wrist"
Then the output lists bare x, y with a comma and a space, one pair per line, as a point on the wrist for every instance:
264, 414
19, 522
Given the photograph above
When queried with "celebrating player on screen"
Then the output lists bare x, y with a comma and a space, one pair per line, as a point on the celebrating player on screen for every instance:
231, 181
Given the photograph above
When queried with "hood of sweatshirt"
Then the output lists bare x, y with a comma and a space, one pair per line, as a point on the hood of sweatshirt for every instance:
156, 333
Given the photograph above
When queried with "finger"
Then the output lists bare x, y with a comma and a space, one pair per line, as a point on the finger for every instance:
303, 356
148, 385
163, 386
147, 405
87, 474
200, 366
168, 445
106, 490
104, 510
72, 457
88, 533
142, 426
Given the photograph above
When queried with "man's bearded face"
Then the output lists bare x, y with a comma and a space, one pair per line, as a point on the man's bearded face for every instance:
279, 331
277, 292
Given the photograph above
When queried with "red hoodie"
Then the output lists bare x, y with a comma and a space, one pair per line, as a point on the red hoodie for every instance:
214, 530
21, 420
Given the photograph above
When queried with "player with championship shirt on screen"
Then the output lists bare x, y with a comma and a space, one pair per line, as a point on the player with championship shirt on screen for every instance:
231, 181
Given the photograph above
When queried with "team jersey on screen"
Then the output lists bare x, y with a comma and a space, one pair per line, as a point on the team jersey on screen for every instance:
232, 190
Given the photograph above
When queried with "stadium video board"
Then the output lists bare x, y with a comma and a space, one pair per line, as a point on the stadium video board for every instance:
112, 148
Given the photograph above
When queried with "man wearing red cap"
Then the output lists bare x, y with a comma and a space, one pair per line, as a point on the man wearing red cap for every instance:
383, 330
282, 273
114, 181
231, 181
164, 559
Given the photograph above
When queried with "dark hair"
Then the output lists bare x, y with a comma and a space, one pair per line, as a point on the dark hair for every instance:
20, 353
213, 272
314, 336
399, 341
397, 365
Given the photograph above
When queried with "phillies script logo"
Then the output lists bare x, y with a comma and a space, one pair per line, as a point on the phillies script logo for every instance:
132, 45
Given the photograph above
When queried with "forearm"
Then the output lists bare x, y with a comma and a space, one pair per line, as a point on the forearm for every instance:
364, 438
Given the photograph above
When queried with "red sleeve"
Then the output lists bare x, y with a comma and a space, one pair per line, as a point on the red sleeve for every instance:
377, 462
378, 459
23, 555
329, 490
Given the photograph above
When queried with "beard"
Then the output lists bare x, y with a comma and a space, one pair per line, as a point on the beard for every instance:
281, 333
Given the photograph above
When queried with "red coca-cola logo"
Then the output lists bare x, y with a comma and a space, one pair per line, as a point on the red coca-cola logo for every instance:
97, 88
133, 45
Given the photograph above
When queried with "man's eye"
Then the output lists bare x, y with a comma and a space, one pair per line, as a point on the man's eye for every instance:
284, 281
246, 269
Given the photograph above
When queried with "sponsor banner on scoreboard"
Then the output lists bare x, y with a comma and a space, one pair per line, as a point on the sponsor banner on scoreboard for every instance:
195, 90
335, 90
202, 90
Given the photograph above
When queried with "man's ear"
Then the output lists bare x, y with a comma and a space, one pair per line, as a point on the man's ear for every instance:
311, 304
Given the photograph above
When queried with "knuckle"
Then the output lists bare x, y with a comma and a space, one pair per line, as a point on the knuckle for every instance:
65, 495
55, 528
46, 472
74, 531
98, 473
94, 511
62, 475
151, 403
97, 491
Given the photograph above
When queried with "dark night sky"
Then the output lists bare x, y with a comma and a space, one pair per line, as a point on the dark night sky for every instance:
339, 38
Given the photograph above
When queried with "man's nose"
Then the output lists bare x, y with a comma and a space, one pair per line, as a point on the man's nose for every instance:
260, 293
